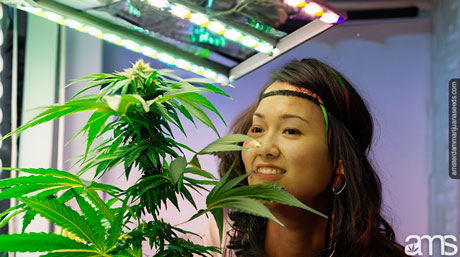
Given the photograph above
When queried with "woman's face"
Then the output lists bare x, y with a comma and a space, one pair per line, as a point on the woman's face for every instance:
292, 135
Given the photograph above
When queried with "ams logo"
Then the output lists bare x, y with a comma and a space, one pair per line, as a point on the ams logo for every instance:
415, 248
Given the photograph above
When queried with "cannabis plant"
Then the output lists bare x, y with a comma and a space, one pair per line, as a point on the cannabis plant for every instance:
131, 121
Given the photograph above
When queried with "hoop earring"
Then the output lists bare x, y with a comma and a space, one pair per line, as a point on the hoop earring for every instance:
334, 190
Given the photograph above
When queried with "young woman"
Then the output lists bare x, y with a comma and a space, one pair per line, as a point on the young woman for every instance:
313, 132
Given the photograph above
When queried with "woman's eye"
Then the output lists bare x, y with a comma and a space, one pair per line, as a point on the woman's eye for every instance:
292, 131
255, 130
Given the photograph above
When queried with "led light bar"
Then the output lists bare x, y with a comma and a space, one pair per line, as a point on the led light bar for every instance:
214, 26
121, 39
317, 11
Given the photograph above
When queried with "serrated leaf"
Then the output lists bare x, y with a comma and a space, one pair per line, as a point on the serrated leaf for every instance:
246, 205
198, 113
226, 143
203, 101
267, 192
97, 201
63, 216
57, 111
76, 253
216, 90
27, 219
115, 229
22, 190
37, 242
93, 185
215, 190
42, 180
46, 172
108, 81
93, 219
95, 124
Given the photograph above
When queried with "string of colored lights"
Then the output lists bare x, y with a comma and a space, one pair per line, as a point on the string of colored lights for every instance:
214, 26
316, 11
124, 40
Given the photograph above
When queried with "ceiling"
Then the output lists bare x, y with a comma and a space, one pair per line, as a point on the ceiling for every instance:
220, 39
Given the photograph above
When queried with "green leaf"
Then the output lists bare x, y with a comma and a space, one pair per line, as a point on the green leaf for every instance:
63, 216
250, 206
186, 113
37, 242
199, 172
219, 217
22, 190
28, 217
177, 168
75, 253
97, 201
95, 124
58, 111
215, 190
200, 181
102, 187
267, 192
201, 100
47, 172
93, 219
198, 113
116, 226
11, 214
226, 143
232, 183
114, 87
216, 90
42, 180
16, 207
104, 82
195, 162
120, 104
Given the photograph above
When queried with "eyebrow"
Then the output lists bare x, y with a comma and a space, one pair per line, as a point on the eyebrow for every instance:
284, 116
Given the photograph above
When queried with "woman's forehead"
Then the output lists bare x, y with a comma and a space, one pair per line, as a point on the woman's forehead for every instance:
278, 106
279, 85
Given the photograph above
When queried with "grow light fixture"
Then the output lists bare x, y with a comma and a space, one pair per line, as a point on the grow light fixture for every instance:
119, 39
214, 26
164, 29
316, 10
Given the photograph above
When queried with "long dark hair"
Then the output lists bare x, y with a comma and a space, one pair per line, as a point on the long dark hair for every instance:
359, 228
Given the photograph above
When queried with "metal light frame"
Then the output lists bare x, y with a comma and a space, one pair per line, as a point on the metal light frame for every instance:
178, 57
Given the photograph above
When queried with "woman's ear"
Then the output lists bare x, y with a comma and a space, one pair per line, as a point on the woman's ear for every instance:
340, 169
339, 177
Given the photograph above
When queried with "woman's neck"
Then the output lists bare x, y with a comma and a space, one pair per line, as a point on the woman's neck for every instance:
303, 235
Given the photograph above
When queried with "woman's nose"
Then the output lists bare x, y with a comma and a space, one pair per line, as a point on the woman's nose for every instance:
267, 148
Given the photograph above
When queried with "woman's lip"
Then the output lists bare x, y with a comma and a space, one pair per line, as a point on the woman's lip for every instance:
267, 176
268, 166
